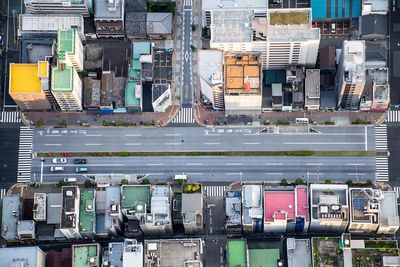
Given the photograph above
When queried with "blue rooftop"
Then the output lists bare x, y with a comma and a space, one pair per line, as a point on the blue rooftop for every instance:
25, 256
327, 9
140, 48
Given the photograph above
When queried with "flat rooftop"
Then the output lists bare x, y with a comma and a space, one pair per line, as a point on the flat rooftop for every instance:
242, 74
276, 203
231, 26
131, 194
86, 211
10, 216
354, 61
234, 4
66, 40
289, 18
312, 87
25, 78
62, 79
26, 256
298, 252
113, 254
49, 22
233, 207
210, 62
237, 253
102, 10
83, 255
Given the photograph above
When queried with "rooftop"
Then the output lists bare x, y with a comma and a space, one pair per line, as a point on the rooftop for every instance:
159, 23
10, 216
233, 207
252, 204
113, 195
158, 90
234, 4
326, 252
173, 252
106, 92
69, 206
312, 88
380, 82
389, 211
141, 48
160, 205
65, 41
377, 6
289, 18
279, 205
135, 24
91, 89
354, 61
133, 252
87, 216
27, 78
62, 79
192, 207
210, 66
39, 208
133, 195
136, 5
231, 26
86, 255
327, 200
263, 253
49, 22
108, 9
20, 256
54, 206
113, 254
298, 252
237, 253
242, 74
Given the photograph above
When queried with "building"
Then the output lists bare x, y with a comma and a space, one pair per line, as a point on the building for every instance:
329, 207
159, 25
364, 210
389, 214
233, 211
109, 18
377, 81
29, 86
159, 221
113, 215
286, 210
47, 25
173, 252
252, 208
327, 58
351, 74
277, 96
132, 253
69, 225
192, 212
135, 25
380, 7
86, 255
69, 49
87, 214
113, 254
211, 78
106, 91
237, 253
22, 256
91, 89
161, 97
298, 252
242, 83
373, 27
82, 7
11, 213
26, 230
312, 90
39, 207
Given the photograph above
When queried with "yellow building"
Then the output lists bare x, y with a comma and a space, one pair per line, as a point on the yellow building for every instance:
29, 85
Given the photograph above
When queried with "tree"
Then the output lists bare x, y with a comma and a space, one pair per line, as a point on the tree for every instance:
284, 182
145, 181
299, 181
369, 183
349, 182
124, 181
61, 183
193, 27
328, 181
89, 183
40, 123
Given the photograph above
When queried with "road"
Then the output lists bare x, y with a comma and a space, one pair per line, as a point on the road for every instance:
203, 139
394, 153
225, 169
9, 141
394, 53
187, 86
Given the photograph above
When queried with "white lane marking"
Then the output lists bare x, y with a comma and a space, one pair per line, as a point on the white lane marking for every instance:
172, 144
93, 144
233, 164
355, 164
133, 144
156, 173
251, 143
366, 139
88, 165
212, 143
232, 173
133, 135
50, 135
273, 164
52, 144
323, 143
90, 135
314, 164
274, 173
154, 164
172, 134
351, 173
194, 164
194, 173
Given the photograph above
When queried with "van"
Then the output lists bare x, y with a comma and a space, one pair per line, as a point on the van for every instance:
57, 169
70, 180
180, 177
81, 169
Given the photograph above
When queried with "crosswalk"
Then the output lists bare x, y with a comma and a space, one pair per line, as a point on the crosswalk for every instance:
397, 190
393, 116
382, 169
187, 3
215, 190
25, 155
2, 192
381, 137
10, 117
185, 115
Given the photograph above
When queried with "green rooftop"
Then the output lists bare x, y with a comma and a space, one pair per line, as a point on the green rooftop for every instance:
131, 194
237, 253
65, 41
87, 214
133, 79
140, 48
62, 80
289, 18
83, 253
264, 257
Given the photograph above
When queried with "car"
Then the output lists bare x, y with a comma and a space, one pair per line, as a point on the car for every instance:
59, 160
80, 161
56, 169
81, 169
333, 28
70, 180
1, 39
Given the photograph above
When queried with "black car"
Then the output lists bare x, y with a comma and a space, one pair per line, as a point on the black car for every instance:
79, 161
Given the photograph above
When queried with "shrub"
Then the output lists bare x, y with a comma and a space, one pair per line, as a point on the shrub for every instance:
61, 183
145, 181
284, 182
282, 123
299, 181
179, 181
123, 154
329, 123
123, 182
359, 122
89, 183
40, 123
193, 27
63, 123
267, 123
349, 182
328, 181
369, 183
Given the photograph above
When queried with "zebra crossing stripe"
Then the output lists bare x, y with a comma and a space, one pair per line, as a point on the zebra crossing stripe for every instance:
381, 137
397, 189
382, 169
187, 3
2, 193
24, 155
215, 190
185, 115
10, 117
393, 116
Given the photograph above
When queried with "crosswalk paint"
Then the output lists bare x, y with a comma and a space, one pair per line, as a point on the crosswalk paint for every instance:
381, 137
393, 116
215, 190
2, 193
397, 190
185, 115
24, 155
382, 169
10, 117
187, 3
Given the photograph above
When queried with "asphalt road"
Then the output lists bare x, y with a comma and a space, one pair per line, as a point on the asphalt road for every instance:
394, 53
206, 169
393, 134
187, 87
9, 144
202, 139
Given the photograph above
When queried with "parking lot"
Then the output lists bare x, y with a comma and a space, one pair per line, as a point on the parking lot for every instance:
334, 27
162, 67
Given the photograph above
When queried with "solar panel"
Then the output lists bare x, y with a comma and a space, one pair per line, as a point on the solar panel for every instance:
358, 203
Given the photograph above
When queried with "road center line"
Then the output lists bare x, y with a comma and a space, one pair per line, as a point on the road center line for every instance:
251, 143
355, 164
133, 144
52, 144
323, 143
172, 134
273, 164
194, 173
133, 135
173, 144
93, 144
274, 173
233, 164
212, 143
355, 174
51, 135
314, 164
93, 135
154, 164
194, 164
232, 173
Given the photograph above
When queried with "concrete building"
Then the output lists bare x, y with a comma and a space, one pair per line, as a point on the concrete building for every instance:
29, 85
277, 96
22, 256
159, 25
312, 90
40, 207
113, 215
87, 214
113, 255
159, 221
252, 208
11, 213
86, 255
69, 225
109, 18
192, 212
389, 214
378, 79
161, 97
233, 211
351, 74
132, 253
26, 230
286, 210
211, 78
173, 252
47, 25
374, 7
69, 49
83, 7
329, 207
298, 252
373, 27
242, 83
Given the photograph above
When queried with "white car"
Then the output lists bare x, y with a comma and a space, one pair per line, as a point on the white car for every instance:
59, 160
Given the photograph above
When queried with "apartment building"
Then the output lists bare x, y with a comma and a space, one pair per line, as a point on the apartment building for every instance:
86, 255
69, 49
11, 213
192, 212
87, 213
233, 211
159, 221
286, 210
252, 208
389, 214
109, 18
69, 225
29, 85
364, 210
83, 7
351, 74
329, 207
312, 90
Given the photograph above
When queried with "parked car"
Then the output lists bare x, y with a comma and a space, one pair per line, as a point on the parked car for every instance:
1, 39
59, 160
70, 180
56, 169
80, 161
81, 169
333, 27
